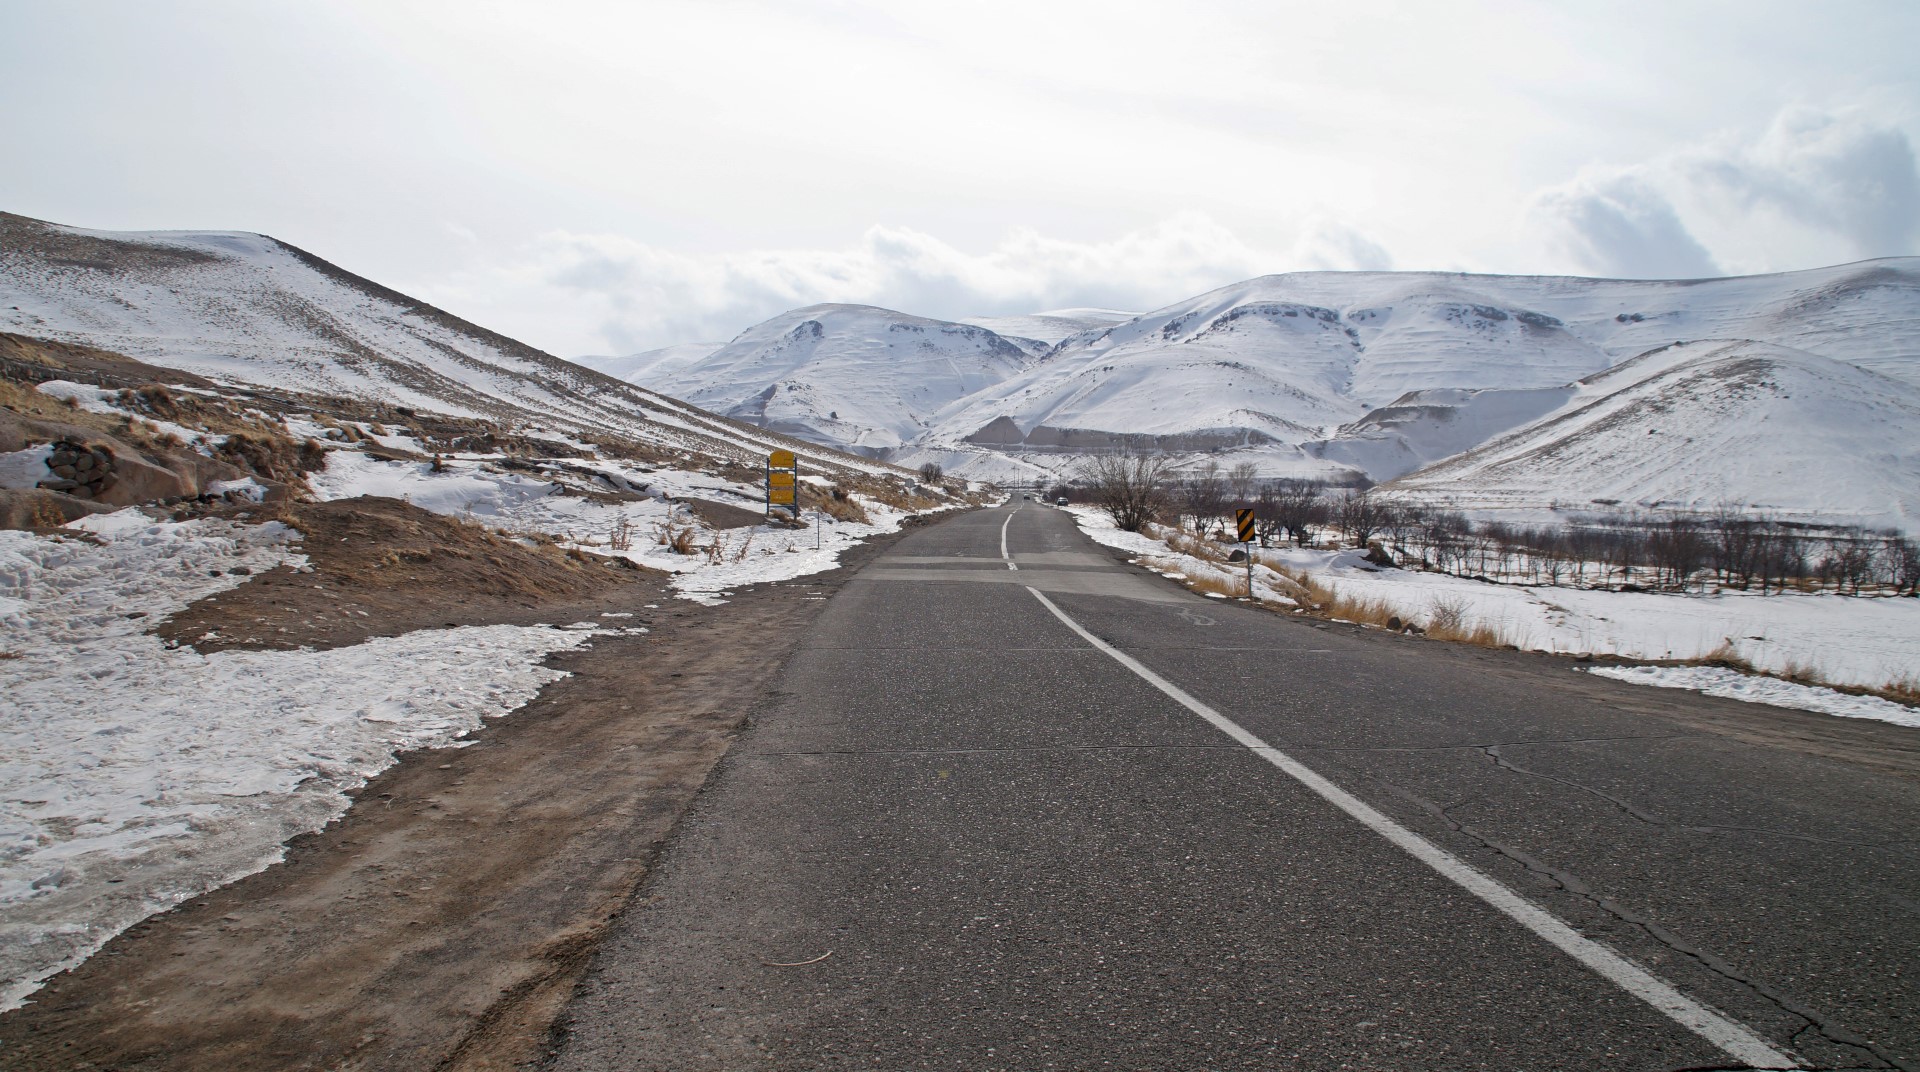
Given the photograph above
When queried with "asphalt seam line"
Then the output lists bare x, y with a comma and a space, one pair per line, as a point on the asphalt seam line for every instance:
1732, 1038
1003, 539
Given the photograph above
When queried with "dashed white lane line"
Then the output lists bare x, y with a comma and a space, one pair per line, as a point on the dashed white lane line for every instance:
1732, 1038
1003, 540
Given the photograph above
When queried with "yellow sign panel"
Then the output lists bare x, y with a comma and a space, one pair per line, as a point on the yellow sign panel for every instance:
1243, 520
778, 479
780, 496
780, 459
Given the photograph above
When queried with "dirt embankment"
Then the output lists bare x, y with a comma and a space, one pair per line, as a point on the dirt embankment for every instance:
442, 923
382, 567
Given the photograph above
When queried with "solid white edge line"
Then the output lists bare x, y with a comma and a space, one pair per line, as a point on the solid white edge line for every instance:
1732, 1038
1003, 540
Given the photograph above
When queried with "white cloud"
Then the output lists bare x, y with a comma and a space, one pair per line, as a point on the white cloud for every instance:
1812, 188
1331, 246
1619, 226
596, 293
1839, 173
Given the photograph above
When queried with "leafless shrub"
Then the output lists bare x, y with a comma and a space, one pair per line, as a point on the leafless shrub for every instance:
620, 537
1446, 615
1130, 487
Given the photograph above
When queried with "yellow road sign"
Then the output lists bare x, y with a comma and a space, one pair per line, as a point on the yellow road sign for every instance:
1244, 520
778, 479
780, 459
780, 496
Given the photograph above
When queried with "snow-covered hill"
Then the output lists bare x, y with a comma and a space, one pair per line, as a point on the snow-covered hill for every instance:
853, 376
651, 364
1289, 358
1344, 374
247, 309
1050, 327
1703, 424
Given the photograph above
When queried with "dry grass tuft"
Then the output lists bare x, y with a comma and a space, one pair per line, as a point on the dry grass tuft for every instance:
1188, 544
1374, 612
840, 505
1904, 689
1725, 655
1802, 674
1214, 584
45, 515
677, 538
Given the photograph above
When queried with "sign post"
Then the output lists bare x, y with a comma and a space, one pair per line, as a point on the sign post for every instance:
783, 484
1243, 519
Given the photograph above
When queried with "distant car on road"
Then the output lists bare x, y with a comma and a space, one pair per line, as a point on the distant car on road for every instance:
1062, 501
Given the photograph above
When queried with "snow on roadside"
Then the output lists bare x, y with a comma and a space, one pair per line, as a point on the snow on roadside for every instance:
1719, 681
763, 554
1847, 640
517, 502
134, 776
1268, 585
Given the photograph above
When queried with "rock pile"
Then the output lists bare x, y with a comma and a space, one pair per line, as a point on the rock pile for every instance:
78, 470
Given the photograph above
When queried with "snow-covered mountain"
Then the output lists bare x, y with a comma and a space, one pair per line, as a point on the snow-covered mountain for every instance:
247, 309
1285, 360
1705, 423
651, 364
1331, 374
1048, 328
853, 376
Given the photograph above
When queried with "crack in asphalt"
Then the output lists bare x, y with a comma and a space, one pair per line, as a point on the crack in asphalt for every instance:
1473, 747
1567, 881
1492, 752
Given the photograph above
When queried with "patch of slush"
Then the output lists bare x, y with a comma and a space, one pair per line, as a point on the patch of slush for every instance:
134, 776
1719, 681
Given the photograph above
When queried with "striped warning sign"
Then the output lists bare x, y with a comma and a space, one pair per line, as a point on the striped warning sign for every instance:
1244, 519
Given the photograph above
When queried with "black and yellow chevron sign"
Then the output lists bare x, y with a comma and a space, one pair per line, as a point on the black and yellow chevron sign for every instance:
1244, 519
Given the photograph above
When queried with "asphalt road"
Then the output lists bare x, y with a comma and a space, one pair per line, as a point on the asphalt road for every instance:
963, 833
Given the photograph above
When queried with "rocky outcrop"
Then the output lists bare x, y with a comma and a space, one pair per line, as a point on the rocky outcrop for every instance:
79, 470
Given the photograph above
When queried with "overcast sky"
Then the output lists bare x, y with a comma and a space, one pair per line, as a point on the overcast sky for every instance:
611, 177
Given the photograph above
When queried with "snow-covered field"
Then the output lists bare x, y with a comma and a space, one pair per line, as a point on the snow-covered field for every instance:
134, 776
1845, 640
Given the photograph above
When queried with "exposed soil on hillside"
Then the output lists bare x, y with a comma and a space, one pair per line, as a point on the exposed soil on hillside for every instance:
442, 923
382, 567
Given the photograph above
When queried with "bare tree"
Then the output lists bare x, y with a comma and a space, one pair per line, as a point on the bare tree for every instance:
1903, 564
1240, 482
1202, 497
1291, 508
930, 473
1130, 487
1362, 514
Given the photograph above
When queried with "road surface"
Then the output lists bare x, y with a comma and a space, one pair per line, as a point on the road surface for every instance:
1017, 805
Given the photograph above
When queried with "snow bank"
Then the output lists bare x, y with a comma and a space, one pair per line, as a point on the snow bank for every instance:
134, 776
1718, 681
1846, 640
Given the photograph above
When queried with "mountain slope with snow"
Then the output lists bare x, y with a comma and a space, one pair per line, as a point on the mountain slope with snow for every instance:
1048, 328
1292, 356
1343, 374
1694, 426
248, 309
853, 376
651, 364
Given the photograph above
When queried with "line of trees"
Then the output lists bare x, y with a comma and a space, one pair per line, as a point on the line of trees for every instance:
1728, 548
